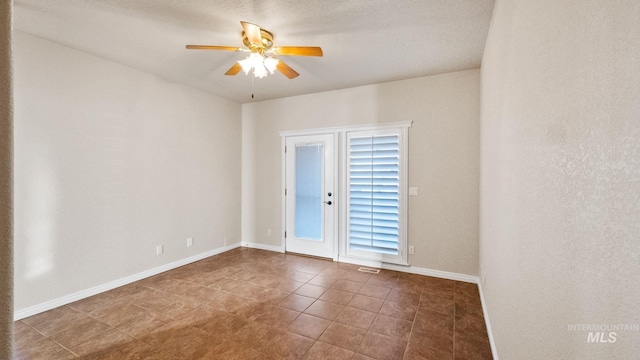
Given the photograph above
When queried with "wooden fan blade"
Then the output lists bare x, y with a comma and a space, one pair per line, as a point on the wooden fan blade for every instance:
234, 70
286, 70
212, 47
299, 50
252, 31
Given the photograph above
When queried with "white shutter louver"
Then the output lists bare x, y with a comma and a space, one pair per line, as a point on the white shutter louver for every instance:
373, 193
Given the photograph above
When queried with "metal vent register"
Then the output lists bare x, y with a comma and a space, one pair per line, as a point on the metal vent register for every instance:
369, 270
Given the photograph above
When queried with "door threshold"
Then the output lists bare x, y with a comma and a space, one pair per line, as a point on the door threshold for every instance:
308, 256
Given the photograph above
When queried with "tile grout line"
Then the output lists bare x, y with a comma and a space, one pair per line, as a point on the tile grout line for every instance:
52, 340
455, 288
413, 324
332, 321
183, 278
61, 345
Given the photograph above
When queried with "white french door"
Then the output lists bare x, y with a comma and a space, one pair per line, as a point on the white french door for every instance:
310, 200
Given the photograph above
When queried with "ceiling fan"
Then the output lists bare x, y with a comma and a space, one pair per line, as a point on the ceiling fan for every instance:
259, 43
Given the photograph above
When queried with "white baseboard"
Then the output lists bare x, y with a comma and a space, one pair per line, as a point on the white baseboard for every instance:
377, 264
253, 245
431, 272
68, 299
412, 269
487, 322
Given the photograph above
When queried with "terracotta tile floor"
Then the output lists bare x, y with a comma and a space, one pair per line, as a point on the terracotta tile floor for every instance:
253, 304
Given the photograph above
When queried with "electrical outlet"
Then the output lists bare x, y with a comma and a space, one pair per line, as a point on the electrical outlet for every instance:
189, 242
269, 232
413, 191
412, 250
159, 249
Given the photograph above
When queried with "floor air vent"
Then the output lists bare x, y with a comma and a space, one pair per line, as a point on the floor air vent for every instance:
369, 270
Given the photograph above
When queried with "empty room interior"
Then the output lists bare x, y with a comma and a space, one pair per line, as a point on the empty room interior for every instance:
254, 179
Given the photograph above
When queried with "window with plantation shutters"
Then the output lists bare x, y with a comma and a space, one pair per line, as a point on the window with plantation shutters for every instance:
374, 163
375, 178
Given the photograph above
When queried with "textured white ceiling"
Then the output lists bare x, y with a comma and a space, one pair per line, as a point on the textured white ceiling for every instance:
364, 41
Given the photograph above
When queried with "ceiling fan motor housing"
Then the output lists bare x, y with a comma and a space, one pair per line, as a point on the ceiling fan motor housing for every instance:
266, 43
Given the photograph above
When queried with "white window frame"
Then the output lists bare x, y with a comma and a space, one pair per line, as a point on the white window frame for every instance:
366, 257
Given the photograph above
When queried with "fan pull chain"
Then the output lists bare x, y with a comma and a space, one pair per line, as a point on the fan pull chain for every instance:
253, 76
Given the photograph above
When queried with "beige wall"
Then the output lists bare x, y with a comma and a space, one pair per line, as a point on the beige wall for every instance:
560, 176
443, 159
6, 241
109, 163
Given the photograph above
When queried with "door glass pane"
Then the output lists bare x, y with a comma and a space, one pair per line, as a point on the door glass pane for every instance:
309, 165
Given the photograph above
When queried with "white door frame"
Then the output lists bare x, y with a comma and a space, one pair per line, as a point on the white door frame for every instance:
339, 133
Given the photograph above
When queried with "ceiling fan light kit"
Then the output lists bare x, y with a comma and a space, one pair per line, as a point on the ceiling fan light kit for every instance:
259, 43
259, 63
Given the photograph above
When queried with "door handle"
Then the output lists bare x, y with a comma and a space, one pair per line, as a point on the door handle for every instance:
327, 202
